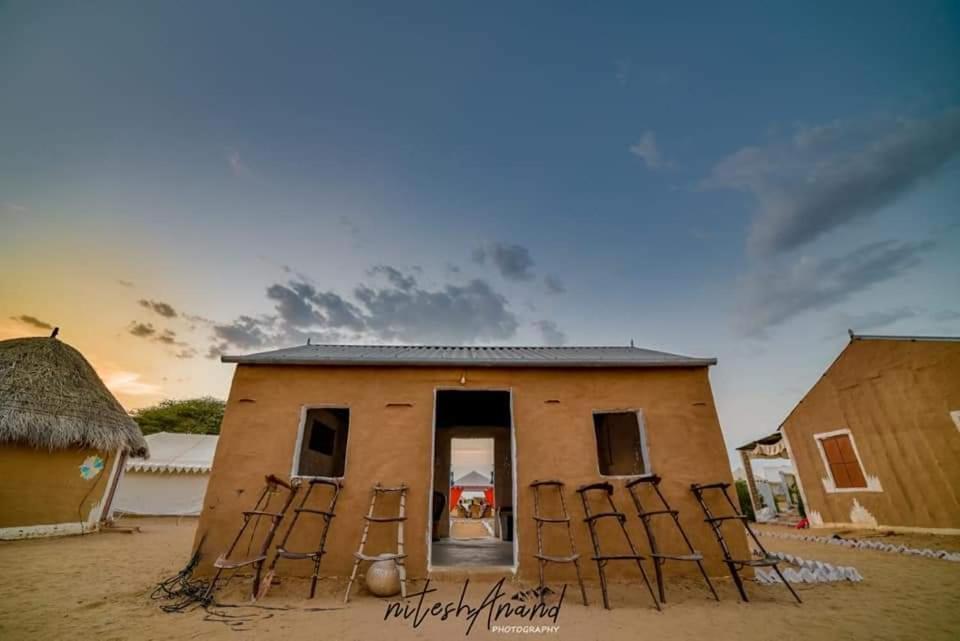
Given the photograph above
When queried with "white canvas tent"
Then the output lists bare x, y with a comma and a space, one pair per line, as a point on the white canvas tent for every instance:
173, 481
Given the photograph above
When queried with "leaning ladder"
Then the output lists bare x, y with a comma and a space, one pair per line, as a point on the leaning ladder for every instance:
224, 562
540, 520
716, 523
602, 559
317, 555
399, 557
659, 558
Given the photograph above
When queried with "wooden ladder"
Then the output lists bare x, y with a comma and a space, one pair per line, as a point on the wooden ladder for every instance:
540, 520
716, 523
317, 555
399, 557
646, 517
602, 559
260, 510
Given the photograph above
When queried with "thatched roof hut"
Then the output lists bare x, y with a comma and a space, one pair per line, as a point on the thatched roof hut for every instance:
51, 398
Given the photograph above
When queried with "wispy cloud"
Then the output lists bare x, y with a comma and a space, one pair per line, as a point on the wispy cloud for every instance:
141, 330
871, 320
237, 165
399, 310
129, 383
514, 262
784, 289
554, 285
32, 321
623, 68
832, 175
647, 150
163, 309
552, 335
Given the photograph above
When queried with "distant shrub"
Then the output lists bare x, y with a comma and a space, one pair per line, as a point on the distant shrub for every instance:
743, 494
187, 416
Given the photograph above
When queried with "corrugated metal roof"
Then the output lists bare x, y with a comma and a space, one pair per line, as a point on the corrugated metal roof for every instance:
440, 355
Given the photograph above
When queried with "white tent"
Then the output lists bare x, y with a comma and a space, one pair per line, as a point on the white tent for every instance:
172, 481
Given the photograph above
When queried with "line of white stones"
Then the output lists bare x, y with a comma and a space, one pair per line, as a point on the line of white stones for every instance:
862, 544
809, 571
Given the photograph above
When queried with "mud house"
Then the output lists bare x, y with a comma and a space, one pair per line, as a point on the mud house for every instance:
365, 414
876, 441
63, 439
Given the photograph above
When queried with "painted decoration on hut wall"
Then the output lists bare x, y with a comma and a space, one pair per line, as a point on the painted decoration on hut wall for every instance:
91, 466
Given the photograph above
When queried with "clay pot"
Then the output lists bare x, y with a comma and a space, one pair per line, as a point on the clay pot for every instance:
383, 578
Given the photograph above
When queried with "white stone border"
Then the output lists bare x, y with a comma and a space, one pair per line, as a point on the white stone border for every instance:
861, 544
810, 572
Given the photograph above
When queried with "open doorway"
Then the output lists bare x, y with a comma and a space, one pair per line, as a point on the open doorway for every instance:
472, 497
473, 480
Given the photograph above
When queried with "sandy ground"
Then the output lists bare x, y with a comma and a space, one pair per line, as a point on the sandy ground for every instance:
468, 529
98, 586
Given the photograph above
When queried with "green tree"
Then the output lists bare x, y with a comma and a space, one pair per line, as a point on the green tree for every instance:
188, 416
743, 494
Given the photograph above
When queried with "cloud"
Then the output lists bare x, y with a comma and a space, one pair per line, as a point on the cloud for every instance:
400, 311
292, 307
237, 165
454, 314
33, 321
832, 175
872, 320
552, 335
166, 337
141, 330
623, 71
946, 315
554, 285
163, 309
129, 383
646, 149
512, 261
245, 332
396, 278
784, 289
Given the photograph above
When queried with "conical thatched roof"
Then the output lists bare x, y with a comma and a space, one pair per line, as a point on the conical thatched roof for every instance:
50, 397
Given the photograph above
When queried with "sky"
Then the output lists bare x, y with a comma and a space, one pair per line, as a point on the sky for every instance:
180, 180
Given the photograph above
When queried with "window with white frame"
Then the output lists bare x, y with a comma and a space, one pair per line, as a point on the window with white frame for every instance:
621, 448
323, 442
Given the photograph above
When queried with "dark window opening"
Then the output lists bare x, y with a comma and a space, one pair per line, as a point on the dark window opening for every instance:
619, 444
323, 447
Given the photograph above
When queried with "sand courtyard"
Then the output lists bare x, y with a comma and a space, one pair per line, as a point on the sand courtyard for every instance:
99, 586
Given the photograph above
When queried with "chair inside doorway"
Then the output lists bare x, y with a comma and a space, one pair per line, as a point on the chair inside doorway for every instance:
473, 474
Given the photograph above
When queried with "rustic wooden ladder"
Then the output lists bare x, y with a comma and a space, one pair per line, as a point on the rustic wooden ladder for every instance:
646, 517
317, 555
602, 559
400, 556
260, 510
716, 523
540, 520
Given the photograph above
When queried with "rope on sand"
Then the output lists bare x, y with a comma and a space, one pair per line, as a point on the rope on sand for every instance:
864, 544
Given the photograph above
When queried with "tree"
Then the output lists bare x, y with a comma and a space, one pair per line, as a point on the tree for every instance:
188, 416
743, 495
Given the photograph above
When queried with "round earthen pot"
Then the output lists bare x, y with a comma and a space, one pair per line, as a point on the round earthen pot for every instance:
383, 579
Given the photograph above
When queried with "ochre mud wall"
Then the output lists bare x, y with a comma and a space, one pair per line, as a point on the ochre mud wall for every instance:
895, 397
40, 487
391, 414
